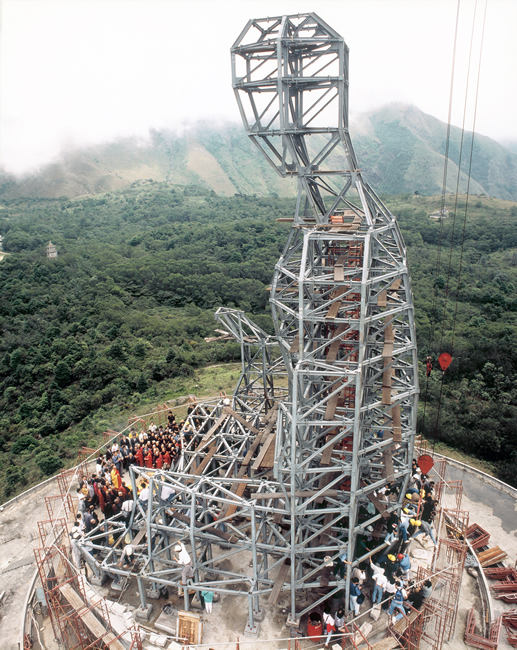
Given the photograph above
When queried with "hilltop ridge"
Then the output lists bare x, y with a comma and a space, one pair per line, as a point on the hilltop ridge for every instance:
400, 150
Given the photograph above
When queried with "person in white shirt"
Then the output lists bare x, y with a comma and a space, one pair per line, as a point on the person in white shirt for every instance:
143, 497
127, 509
183, 557
328, 625
167, 495
380, 582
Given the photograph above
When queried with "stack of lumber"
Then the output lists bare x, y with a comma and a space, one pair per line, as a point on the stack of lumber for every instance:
491, 556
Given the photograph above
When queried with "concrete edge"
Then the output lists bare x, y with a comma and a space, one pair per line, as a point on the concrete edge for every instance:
486, 478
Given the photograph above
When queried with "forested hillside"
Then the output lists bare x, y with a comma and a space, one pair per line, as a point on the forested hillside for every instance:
125, 307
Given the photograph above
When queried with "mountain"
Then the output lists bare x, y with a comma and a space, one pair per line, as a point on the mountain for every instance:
400, 150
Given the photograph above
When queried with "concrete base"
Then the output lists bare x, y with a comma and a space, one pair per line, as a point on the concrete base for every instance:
165, 623
98, 582
259, 615
292, 622
144, 614
251, 631
117, 585
153, 594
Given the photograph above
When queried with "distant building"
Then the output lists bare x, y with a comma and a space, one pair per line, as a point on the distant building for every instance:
439, 214
51, 250
1, 241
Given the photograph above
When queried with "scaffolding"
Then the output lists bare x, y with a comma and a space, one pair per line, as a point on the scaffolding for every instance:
275, 483
76, 624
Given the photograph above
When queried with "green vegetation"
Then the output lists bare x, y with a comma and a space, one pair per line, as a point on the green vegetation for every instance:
118, 320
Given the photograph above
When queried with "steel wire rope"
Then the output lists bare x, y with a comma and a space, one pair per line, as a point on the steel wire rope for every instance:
458, 178
468, 176
442, 204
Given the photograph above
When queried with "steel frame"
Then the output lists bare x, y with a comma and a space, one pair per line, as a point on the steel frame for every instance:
280, 481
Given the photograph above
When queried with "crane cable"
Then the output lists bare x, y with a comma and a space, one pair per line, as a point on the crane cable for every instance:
442, 202
458, 178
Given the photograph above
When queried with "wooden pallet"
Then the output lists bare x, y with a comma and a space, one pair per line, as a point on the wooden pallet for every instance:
190, 627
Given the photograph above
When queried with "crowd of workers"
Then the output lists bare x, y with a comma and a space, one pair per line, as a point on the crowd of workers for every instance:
105, 494
105, 490
389, 575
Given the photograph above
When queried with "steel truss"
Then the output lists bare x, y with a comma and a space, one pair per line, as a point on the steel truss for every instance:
274, 485
341, 297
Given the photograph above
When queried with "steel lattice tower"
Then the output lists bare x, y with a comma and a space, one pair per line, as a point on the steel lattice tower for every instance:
341, 295
283, 476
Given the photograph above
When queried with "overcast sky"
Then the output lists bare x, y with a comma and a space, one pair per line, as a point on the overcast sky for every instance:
75, 72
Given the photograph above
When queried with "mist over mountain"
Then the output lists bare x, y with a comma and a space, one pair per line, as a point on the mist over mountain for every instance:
400, 150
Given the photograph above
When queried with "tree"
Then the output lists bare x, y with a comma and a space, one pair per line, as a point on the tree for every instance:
63, 374
48, 462
142, 385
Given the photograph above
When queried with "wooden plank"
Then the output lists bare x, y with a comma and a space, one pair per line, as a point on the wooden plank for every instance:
491, 556
333, 310
263, 451
334, 346
406, 621
397, 429
279, 582
387, 377
381, 299
229, 510
139, 536
333, 402
295, 345
211, 431
240, 419
88, 617
381, 507
387, 351
324, 481
238, 487
339, 269
277, 519
325, 537
269, 458
298, 494
388, 332
202, 465
387, 470
327, 454
386, 395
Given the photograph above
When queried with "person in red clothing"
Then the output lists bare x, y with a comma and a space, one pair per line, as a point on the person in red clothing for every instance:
159, 461
139, 456
100, 495
149, 459
167, 458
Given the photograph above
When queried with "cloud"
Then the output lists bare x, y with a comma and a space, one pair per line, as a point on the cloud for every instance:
77, 73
